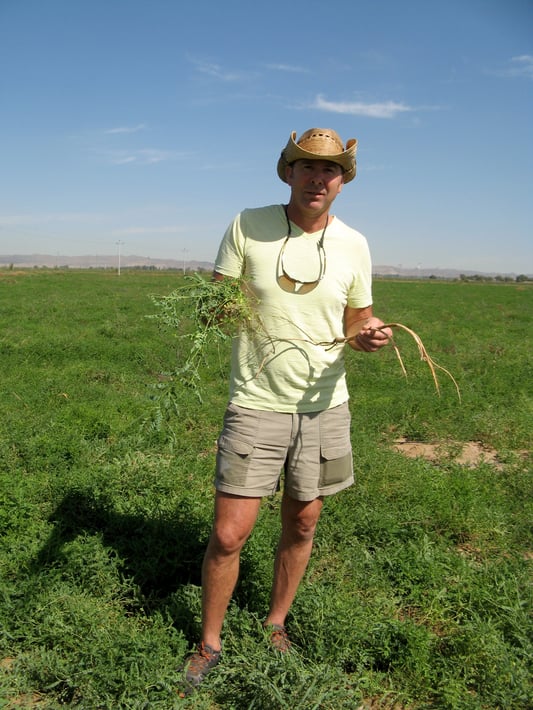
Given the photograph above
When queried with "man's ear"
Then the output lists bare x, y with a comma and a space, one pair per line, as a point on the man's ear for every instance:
288, 173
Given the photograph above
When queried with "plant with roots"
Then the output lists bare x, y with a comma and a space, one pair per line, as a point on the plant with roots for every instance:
424, 355
205, 313
220, 310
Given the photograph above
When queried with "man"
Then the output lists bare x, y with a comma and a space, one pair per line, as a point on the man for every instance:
310, 276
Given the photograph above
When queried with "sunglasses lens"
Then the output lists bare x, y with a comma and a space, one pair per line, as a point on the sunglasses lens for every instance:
301, 261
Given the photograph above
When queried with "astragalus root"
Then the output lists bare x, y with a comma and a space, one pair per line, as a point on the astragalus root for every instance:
424, 355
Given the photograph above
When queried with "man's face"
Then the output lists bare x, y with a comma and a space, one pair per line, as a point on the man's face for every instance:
314, 184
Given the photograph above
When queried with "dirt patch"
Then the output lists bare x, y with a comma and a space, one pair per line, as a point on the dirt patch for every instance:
472, 453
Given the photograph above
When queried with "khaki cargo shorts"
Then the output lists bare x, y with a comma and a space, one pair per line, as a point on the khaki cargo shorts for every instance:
313, 450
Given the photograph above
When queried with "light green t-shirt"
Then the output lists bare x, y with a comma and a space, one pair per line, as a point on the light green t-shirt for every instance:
278, 366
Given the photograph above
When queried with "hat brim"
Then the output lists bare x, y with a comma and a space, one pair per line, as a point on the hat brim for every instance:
293, 152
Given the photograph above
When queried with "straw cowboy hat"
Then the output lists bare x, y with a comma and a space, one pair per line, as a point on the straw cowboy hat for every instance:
319, 144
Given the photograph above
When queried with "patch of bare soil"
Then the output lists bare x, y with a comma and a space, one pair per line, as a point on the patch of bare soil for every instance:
472, 453
25, 700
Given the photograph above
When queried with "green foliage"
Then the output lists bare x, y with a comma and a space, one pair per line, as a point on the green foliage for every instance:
481, 334
418, 592
205, 313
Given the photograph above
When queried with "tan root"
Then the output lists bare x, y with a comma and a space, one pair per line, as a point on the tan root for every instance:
329, 344
424, 355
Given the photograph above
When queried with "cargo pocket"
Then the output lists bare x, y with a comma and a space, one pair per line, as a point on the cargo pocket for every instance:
336, 464
233, 459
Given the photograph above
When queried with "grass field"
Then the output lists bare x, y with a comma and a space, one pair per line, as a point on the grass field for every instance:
418, 594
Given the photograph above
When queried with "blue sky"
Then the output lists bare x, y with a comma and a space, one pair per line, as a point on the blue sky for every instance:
153, 123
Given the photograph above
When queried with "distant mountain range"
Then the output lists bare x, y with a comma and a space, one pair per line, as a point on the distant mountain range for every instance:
105, 261
144, 262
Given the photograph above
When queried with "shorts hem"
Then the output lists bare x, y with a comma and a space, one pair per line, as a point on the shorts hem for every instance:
331, 490
303, 497
244, 492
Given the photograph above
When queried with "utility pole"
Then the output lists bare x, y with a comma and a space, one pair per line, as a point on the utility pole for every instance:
185, 252
119, 244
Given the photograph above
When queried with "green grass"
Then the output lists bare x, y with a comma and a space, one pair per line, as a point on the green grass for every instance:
418, 592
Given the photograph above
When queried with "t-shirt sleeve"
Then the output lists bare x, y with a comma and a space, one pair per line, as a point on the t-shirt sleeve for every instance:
360, 293
230, 257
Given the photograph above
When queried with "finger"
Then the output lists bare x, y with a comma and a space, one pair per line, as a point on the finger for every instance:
363, 342
378, 336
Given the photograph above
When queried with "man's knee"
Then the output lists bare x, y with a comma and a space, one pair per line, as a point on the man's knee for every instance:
235, 518
301, 527
300, 521
227, 538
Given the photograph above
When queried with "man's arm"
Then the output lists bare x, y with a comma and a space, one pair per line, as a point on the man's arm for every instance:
360, 325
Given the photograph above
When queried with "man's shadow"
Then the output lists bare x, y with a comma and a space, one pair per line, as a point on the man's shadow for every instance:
158, 554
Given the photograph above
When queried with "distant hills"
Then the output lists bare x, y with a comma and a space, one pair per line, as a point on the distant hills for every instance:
104, 261
110, 261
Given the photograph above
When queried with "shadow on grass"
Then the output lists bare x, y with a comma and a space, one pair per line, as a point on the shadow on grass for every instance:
159, 558
159, 555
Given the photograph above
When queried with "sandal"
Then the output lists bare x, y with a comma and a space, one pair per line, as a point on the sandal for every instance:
203, 660
279, 639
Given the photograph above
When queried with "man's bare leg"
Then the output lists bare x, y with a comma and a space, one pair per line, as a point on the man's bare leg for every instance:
235, 517
299, 521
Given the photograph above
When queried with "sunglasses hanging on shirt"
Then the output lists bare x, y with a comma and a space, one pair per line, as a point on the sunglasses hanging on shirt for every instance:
301, 263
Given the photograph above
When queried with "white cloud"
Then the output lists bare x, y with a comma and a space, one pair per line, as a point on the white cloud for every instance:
287, 68
387, 109
145, 156
124, 160
218, 72
126, 129
520, 66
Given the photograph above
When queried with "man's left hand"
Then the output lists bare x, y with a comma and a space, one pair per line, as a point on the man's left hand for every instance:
371, 337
